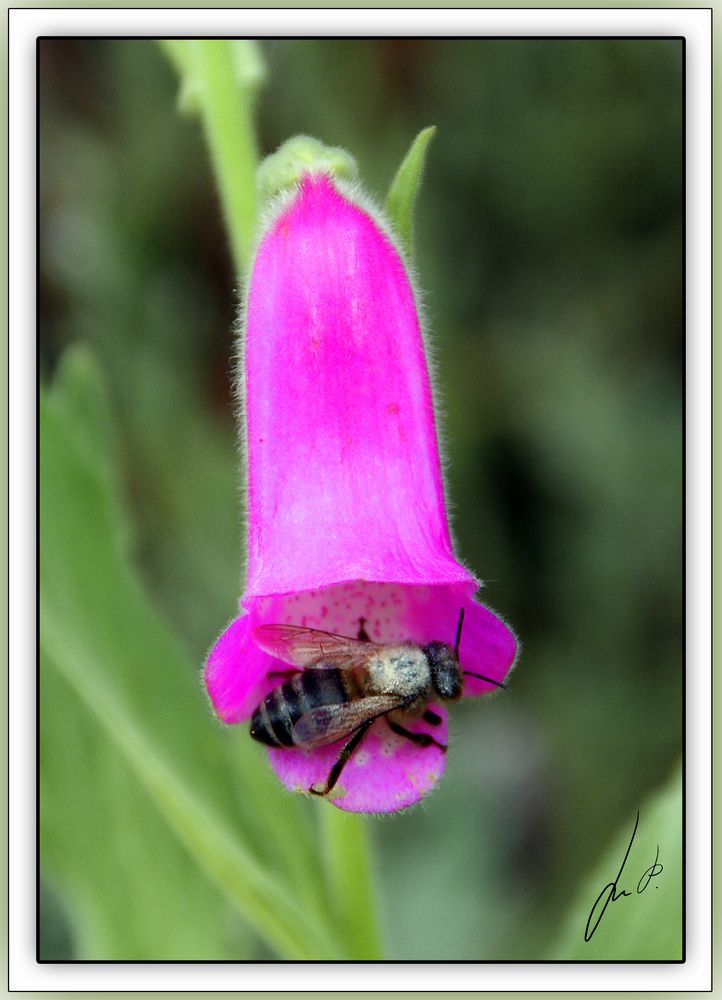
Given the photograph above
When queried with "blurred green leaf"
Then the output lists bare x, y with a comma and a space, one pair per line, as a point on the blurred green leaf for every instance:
405, 186
55, 935
103, 637
646, 925
133, 892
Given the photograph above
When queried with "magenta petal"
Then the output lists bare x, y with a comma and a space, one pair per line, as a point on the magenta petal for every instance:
386, 772
236, 672
344, 478
488, 647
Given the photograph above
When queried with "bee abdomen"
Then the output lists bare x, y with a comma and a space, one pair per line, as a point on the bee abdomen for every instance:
273, 720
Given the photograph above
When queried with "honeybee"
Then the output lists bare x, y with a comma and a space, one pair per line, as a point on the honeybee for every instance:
341, 686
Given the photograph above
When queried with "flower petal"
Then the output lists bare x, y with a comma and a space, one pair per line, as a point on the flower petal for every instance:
386, 772
488, 647
236, 672
344, 477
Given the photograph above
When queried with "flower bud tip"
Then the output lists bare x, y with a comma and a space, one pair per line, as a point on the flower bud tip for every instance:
299, 156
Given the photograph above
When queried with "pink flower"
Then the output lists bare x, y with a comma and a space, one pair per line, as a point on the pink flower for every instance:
346, 512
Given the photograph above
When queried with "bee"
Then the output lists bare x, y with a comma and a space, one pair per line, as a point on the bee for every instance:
341, 686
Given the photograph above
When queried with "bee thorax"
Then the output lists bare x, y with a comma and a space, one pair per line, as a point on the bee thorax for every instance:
402, 670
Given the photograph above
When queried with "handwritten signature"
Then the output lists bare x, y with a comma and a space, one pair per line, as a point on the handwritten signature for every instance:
610, 893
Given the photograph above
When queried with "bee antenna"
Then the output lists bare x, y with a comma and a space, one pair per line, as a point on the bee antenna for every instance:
458, 633
468, 673
488, 680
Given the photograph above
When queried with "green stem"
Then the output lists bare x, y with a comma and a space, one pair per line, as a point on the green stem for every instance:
226, 107
347, 852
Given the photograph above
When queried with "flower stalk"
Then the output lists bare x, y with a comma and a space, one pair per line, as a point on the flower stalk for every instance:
349, 875
228, 123
219, 80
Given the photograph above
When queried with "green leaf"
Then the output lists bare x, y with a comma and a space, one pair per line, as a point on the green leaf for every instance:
108, 644
405, 186
646, 925
129, 885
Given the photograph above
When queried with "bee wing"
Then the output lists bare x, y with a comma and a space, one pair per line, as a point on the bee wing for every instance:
329, 723
307, 647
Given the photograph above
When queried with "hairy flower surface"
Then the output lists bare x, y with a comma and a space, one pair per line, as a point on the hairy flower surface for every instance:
346, 512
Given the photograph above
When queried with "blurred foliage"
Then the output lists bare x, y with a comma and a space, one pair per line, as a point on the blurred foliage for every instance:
628, 927
549, 247
137, 729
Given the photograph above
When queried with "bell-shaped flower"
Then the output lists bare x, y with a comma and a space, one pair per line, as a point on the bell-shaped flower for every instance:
347, 523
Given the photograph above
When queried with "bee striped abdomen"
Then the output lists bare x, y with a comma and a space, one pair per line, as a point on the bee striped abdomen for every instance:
278, 713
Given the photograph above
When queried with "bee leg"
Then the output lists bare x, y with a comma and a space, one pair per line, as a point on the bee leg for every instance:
420, 739
362, 635
282, 673
335, 773
431, 718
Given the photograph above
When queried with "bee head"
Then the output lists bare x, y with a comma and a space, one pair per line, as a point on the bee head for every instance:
445, 671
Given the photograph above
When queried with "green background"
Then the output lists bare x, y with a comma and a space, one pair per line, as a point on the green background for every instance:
549, 249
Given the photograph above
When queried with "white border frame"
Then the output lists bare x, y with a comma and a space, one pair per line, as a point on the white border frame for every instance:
24, 26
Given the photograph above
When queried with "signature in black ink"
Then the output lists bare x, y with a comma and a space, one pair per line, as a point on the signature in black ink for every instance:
610, 893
